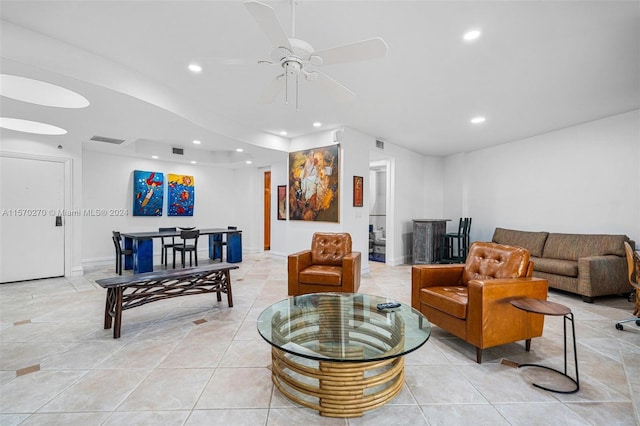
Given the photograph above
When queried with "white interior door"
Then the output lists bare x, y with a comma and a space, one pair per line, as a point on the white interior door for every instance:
31, 197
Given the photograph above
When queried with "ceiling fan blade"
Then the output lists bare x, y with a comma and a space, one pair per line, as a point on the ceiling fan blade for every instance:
268, 22
272, 90
337, 90
358, 51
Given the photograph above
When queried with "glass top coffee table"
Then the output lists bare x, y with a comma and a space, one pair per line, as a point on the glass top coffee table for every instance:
337, 352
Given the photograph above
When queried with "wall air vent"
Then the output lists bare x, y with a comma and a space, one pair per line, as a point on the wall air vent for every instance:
178, 151
379, 144
107, 140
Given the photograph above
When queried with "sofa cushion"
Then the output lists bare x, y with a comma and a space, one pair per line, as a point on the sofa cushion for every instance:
321, 274
575, 246
489, 261
532, 241
568, 268
452, 300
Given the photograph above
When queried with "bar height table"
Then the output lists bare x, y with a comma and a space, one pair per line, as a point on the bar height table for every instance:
545, 307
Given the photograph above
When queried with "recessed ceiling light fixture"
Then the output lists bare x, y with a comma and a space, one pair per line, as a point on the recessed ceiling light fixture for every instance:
317, 124
196, 142
155, 157
283, 133
28, 126
471, 35
193, 161
248, 161
239, 149
39, 92
478, 120
193, 67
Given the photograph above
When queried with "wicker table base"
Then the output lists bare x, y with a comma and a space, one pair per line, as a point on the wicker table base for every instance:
337, 389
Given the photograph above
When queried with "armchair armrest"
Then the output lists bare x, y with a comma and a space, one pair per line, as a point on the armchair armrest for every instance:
431, 276
600, 275
489, 308
295, 263
351, 272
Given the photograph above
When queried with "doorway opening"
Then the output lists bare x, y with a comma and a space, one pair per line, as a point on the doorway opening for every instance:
379, 184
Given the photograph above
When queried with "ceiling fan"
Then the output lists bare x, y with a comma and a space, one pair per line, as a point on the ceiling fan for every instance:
296, 57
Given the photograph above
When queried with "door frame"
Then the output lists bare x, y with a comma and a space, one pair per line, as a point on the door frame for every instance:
67, 220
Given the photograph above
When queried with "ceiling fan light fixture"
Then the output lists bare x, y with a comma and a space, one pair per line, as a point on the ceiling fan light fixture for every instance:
195, 68
472, 35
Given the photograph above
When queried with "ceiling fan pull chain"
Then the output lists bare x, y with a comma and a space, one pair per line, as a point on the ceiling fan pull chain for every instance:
297, 76
286, 83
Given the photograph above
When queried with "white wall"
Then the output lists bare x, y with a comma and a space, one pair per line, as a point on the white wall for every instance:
220, 200
582, 179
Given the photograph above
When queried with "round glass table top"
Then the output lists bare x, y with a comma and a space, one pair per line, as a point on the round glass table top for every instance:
345, 327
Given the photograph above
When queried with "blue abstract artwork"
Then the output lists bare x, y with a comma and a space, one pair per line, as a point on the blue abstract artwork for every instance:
148, 193
181, 193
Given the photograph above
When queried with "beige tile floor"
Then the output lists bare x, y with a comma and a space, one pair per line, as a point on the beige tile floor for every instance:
59, 366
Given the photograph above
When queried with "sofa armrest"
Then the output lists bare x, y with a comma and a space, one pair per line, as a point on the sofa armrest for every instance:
296, 262
431, 276
601, 275
351, 266
489, 308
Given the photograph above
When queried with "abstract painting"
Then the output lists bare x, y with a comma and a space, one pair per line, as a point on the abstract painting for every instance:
181, 195
314, 184
358, 191
282, 202
148, 193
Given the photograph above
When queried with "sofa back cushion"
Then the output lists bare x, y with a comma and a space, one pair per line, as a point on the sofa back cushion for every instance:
490, 260
532, 241
328, 248
575, 246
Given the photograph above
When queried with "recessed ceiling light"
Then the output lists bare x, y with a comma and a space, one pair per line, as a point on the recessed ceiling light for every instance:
471, 35
39, 92
195, 68
29, 126
239, 149
283, 133
193, 162
317, 124
248, 161
197, 142
155, 157
478, 120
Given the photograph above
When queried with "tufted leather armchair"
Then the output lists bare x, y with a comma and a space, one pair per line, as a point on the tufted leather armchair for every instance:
471, 300
330, 266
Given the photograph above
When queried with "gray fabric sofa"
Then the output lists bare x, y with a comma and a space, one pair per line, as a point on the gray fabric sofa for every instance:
586, 264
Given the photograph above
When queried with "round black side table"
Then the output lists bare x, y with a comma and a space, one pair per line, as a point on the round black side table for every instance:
545, 307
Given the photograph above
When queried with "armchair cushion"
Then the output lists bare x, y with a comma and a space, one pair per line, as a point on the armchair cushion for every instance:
329, 248
321, 274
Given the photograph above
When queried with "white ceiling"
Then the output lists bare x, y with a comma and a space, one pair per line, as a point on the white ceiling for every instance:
538, 66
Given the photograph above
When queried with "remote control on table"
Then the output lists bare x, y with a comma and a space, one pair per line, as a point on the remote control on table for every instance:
388, 305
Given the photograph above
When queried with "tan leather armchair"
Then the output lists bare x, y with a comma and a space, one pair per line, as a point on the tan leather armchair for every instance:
471, 300
330, 266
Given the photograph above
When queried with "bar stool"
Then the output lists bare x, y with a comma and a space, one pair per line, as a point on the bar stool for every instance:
545, 307
120, 251
447, 252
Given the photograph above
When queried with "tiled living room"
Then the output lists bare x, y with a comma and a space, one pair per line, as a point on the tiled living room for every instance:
192, 360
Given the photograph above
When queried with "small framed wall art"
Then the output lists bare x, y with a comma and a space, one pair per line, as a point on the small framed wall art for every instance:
282, 202
358, 194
